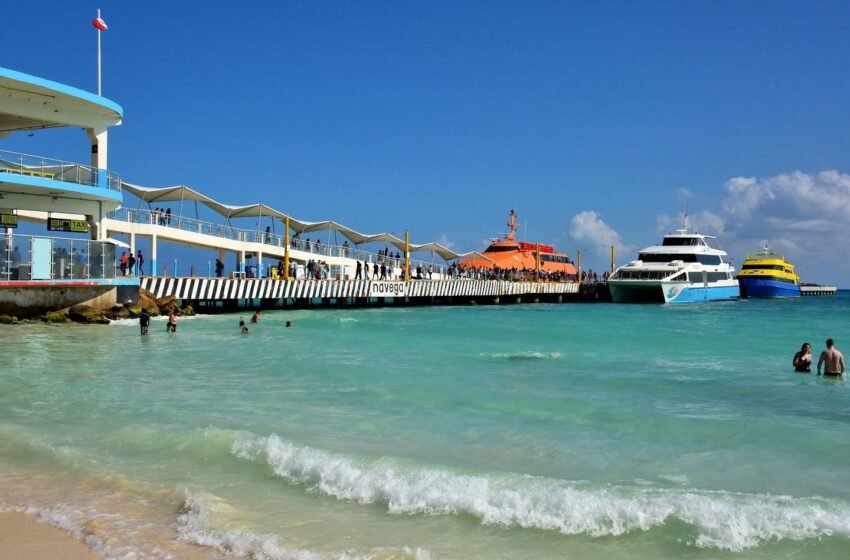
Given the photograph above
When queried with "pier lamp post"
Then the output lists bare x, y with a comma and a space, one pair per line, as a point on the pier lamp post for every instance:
613, 253
537, 263
578, 265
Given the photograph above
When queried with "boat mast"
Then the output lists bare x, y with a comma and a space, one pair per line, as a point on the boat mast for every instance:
512, 225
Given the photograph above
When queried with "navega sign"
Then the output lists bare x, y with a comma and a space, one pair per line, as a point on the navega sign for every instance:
387, 289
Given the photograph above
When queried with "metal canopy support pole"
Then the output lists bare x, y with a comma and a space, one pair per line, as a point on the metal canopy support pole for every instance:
152, 268
328, 240
182, 192
407, 256
286, 252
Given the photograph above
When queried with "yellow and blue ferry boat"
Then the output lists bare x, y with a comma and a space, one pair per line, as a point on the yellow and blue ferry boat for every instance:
766, 274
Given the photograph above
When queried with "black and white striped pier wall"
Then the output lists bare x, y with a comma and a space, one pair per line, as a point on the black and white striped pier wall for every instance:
227, 293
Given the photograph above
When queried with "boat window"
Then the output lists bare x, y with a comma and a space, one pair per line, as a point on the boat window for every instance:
762, 267
772, 278
501, 248
666, 257
678, 241
709, 276
709, 259
554, 258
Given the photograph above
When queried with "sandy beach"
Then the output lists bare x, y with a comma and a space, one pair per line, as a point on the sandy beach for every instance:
24, 538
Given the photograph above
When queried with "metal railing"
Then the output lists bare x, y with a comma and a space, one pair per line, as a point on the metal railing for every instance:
316, 248
15, 163
28, 257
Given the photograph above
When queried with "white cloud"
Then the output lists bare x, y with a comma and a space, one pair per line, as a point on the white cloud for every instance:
704, 222
806, 216
445, 242
588, 229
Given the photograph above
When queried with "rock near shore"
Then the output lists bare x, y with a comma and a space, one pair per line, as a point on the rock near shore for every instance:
88, 315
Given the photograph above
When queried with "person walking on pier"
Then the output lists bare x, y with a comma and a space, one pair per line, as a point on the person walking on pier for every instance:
219, 268
131, 263
359, 274
140, 262
123, 262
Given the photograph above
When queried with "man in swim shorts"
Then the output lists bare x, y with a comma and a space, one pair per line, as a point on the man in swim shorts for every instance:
832, 359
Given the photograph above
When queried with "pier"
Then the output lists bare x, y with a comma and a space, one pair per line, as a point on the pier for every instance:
224, 294
816, 290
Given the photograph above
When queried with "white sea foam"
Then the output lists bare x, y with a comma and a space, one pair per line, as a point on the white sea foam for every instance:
193, 525
135, 322
724, 520
525, 355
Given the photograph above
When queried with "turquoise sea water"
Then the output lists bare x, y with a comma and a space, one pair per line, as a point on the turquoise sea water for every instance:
533, 431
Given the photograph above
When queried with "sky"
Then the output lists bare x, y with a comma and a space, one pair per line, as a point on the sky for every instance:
600, 122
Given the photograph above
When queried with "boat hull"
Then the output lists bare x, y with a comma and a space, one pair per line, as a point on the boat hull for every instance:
678, 292
760, 288
635, 293
672, 292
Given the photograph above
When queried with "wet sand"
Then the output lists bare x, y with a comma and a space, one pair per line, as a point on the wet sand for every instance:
24, 538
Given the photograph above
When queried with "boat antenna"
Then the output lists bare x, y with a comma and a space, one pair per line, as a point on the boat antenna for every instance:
684, 225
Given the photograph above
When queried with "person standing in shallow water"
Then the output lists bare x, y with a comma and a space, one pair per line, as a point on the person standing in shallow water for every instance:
144, 321
802, 361
832, 359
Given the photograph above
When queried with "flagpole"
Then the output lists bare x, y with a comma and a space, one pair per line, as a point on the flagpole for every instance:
98, 55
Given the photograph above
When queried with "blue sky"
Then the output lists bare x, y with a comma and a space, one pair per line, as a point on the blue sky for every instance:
600, 122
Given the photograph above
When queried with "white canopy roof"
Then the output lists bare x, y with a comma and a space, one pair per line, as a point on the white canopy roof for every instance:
182, 193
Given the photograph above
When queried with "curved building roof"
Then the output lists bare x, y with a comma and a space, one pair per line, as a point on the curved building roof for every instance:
29, 102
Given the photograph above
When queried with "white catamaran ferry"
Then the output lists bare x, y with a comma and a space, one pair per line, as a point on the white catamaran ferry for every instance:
683, 269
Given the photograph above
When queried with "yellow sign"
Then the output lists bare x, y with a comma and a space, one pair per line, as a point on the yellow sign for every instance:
9, 220
76, 226
80, 226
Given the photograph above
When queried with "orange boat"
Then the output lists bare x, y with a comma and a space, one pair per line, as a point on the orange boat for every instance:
509, 254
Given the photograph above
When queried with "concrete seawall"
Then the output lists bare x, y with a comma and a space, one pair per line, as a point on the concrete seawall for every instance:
30, 299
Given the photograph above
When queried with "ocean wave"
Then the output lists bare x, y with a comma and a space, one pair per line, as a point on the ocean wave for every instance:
135, 322
194, 526
723, 520
523, 356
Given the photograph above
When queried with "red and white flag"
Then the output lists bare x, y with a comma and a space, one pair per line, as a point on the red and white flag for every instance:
99, 23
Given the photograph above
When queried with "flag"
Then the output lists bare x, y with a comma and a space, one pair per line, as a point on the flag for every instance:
99, 23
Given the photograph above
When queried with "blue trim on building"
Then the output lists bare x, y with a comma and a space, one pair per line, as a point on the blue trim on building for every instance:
62, 88
101, 193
